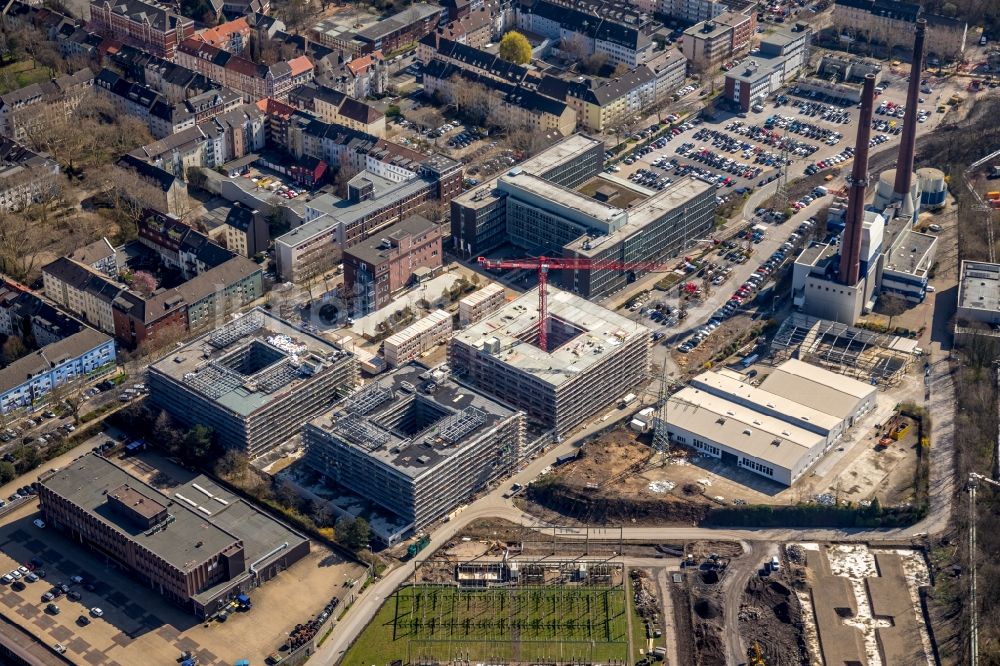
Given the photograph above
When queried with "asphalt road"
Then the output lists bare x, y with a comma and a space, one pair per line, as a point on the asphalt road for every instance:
493, 505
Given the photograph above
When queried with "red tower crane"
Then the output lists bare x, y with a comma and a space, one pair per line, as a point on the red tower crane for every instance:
544, 264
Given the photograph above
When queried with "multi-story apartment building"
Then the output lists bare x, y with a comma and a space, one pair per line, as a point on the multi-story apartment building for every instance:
175, 82
512, 105
386, 35
339, 108
707, 45
892, 22
601, 104
63, 349
254, 380
217, 283
378, 267
418, 453
562, 386
32, 109
25, 176
27, 380
201, 547
254, 81
232, 36
696, 11
143, 23
623, 43
246, 231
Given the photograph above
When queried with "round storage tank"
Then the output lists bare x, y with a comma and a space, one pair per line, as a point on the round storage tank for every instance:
933, 188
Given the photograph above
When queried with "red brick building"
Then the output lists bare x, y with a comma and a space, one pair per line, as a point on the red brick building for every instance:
146, 24
378, 267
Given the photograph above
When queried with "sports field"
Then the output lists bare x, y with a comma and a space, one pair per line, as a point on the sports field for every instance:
557, 623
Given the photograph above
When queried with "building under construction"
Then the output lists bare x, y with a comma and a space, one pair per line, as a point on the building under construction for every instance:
254, 381
870, 357
417, 442
594, 356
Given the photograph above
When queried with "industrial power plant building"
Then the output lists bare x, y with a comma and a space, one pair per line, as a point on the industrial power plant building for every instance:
417, 443
777, 430
199, 546
594, 356
254, 381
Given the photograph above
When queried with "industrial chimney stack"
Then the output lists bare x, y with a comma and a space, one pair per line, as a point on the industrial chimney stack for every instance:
904, 165
850, 242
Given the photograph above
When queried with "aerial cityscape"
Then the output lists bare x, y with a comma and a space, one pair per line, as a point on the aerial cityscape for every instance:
499, 333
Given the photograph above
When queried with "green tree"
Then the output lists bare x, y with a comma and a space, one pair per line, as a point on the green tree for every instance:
197, 444
514, 47
354, 533
28, 458
7, 472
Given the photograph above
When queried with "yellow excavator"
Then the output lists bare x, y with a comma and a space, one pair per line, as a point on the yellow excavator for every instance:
756, 656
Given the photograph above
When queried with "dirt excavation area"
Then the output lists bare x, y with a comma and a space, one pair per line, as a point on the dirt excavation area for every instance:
771, 619
858, 604
618, 478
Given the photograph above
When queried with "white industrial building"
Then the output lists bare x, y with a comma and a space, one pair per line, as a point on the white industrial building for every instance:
778, 429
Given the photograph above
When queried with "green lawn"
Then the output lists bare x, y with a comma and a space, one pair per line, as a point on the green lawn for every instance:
523, 624
20, 74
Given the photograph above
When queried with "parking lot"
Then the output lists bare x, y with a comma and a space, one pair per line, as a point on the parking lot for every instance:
135, 625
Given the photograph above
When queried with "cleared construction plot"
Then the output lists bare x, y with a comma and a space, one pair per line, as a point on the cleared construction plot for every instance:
521, 623
862, 605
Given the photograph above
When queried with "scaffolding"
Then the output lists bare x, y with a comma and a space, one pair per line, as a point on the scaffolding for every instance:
362, 433
855, 352
368, 400
214, 380
276, 377
226, 335
461, 424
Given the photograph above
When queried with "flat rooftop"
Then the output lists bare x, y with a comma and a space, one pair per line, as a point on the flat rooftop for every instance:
249, 362
413, 419
568, 149
204, 519
599, 213
979, 288
600, 333
725, 383
740, 428
644, 213
913, 254
345, 212
816, 254
816, 387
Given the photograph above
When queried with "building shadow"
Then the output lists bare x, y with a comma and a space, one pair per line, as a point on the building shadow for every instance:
752, 481
127, 603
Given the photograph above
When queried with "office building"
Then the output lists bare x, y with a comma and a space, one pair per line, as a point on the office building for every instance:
479, 216
417, 443
595, 356
781, 57
199, 546
254, 381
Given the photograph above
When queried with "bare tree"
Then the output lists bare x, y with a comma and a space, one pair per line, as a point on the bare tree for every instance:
21, 242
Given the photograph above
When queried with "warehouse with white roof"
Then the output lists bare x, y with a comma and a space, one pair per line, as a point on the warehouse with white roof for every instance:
778, 429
